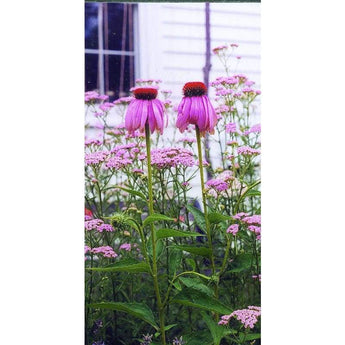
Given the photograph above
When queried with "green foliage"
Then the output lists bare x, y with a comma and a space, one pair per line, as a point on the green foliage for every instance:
165, 233
215, 217
195, 298
202, 251
199, 217
125, 265
196, 284
218, 332
175, 258
156, 217
134, 192
139, 310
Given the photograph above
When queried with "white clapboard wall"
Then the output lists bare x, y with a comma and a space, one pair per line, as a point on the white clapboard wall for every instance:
171, 41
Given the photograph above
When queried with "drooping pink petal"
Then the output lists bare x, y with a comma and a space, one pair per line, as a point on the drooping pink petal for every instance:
144, 115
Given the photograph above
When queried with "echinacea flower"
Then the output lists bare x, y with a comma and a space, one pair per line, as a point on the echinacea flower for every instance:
145, 108
196, 109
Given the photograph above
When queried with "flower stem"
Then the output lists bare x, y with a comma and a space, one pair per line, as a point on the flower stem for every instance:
208, 229
153, 237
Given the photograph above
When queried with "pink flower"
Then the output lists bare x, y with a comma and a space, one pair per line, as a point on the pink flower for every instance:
217, 50
126, 246
196, 109
248, 317
233, 229
107, 251
145, 108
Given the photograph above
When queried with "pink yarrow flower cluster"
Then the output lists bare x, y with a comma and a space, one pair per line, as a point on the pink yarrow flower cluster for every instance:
247, 151
95, 158
233, 229
187, 140
248, 317
126, 246
123, 100
254, 129
171, 157
106, 251
93, 97
220, 49
253, 223
99, 225
221, 183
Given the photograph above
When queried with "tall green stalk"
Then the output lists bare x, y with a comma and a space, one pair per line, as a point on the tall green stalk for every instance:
208, 228
153, 237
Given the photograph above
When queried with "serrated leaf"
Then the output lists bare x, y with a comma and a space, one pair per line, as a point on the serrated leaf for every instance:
202, 251
156, 217
134, 192
195, 283
125, 265
164, 233
195, 298
175, 258
215, 217
199, 217
139, 310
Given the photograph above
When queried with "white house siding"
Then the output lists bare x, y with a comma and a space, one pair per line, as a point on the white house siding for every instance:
172, 41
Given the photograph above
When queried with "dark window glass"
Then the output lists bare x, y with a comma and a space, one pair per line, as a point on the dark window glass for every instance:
91, 25
91, 72
118, 27
119, 83
118, 69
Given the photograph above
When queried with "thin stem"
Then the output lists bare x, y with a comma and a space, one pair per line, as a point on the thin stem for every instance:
208, 229
153, 237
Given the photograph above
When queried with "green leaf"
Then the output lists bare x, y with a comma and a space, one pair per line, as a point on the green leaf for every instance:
199, 217
156, 217
254, 193
196, 284
164, 233
166, 328
159, 248
217, 331
125, 265
134, 192
139, 310
175, 258
247, 337
202, 251
192, 263
200, 337
241, 263
215, 218
195, 298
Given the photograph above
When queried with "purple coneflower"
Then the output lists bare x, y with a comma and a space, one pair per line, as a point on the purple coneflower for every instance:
196, 109
145, 108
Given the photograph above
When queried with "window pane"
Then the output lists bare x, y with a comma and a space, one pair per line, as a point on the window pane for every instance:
117, 83
91, 25
118, 26
91, 72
